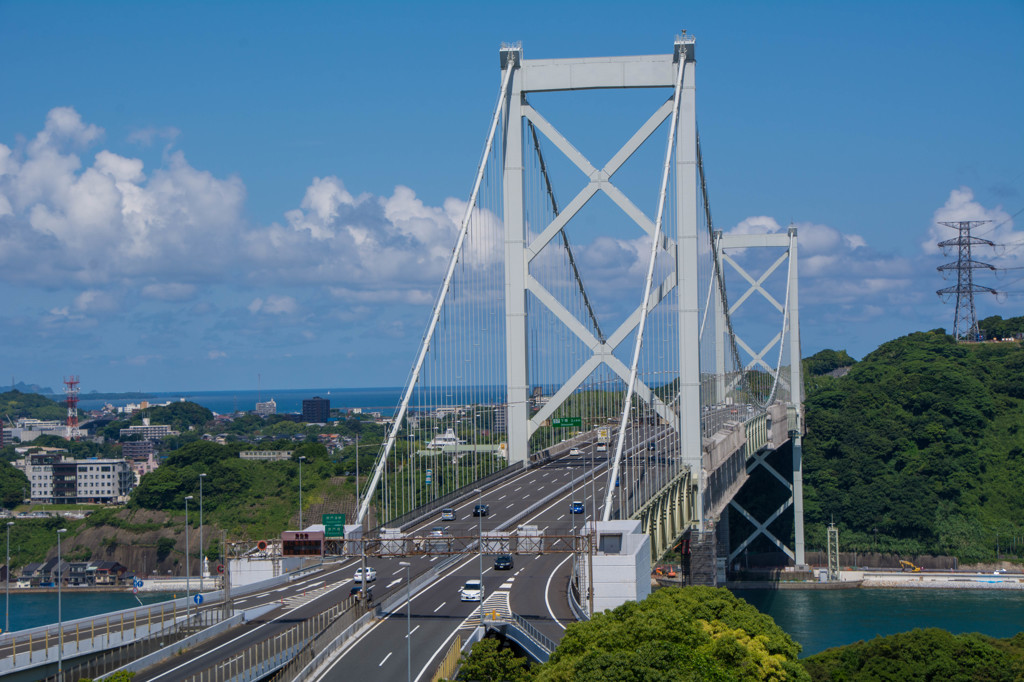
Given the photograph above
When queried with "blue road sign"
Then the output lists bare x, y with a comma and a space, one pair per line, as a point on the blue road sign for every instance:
138, 583
198, 599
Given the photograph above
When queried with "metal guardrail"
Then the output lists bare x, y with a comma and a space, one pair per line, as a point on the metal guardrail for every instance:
300, 662
112, 659
449, 662
575, 599
263, 658
533, 633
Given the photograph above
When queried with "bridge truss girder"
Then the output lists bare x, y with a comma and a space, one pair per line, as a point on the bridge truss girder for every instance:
791, 328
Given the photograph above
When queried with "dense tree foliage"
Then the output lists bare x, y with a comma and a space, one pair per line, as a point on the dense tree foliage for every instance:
13, 485
676, 634
180, 415
15, 404
923, 440
487, 661
239, 495
996, 327
827, 360
929, 654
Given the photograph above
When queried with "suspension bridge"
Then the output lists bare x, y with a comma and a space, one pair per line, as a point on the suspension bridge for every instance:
535, 340
598, 357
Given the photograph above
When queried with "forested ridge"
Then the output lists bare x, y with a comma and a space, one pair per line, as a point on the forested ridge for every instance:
919, 448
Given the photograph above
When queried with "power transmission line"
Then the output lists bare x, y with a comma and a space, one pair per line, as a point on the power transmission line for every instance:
965, 319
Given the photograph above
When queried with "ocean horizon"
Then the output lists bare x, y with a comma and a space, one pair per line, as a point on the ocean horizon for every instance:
382, 399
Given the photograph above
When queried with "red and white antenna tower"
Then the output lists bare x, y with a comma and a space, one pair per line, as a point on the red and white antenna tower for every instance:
71, 397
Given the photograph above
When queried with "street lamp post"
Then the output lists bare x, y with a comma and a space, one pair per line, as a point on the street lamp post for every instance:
480, 548
301, 460
188, 565
408, 621
7, 611
60, 615
201, 560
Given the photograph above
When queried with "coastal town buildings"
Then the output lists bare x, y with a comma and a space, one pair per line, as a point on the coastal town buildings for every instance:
266, 408
54, 479
148, 431
316, 410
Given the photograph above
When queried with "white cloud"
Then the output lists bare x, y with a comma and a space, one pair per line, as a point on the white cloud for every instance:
216, 355
273, 305
146, 136
95, 301
960, 206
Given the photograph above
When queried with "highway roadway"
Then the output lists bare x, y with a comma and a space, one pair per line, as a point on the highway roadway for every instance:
536, 585
318, 592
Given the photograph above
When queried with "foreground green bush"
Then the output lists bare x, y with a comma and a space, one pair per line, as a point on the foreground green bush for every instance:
692, 633
928, 654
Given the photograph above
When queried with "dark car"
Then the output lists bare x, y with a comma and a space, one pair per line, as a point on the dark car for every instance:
503, 562
357, 588
650, 446
481, 510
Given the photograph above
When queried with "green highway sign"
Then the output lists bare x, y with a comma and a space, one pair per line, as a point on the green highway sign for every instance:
567, 422
334, 525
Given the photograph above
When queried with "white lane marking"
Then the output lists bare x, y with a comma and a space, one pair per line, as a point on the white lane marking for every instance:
505, 586
385, 659
540, 488
284, 613
502, 498
472, 617
411, 631
536, 557
398, 571
547, 591
518, 489
433, 559
440, 606
392, 583
450, 572
526, 495
560, 517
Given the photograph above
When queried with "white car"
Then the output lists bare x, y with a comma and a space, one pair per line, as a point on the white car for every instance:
574, 451
473, 590
371, 575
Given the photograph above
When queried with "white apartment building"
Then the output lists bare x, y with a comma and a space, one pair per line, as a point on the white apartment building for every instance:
148, 431
267, 408
59, 480
266, 455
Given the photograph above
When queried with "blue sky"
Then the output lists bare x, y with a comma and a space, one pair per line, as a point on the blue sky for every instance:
165, 168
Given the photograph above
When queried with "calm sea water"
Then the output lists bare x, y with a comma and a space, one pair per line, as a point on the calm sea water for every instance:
32, 609
383, 400
820, 619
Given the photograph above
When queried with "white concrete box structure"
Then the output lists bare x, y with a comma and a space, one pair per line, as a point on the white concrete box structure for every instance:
621, 563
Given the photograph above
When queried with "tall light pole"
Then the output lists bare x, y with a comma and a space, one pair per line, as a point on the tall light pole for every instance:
188, 565
7, 612
60, 615
301, 460
480, 547
201, 559
408, 621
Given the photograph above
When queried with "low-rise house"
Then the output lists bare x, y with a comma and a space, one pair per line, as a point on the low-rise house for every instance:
108, 572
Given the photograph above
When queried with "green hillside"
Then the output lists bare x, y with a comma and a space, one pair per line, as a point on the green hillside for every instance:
15, 404
922, 440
